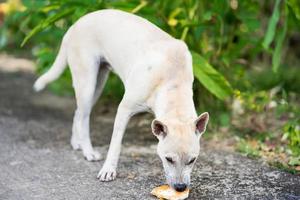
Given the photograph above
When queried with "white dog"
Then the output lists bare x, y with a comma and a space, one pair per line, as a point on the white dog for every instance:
156, 71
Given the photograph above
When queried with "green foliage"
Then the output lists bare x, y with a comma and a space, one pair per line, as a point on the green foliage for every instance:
295, 161
292, 134
210, 78
205, 73
295, 6
46, 23
245, 148
226, 37
278, 45
270, 34
284, 167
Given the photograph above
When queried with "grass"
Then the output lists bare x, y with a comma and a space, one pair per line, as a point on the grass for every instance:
284, 167
247, 149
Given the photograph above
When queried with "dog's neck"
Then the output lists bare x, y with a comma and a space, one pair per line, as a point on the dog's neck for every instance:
175, 102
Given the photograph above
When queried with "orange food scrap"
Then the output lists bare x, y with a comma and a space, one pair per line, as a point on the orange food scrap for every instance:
166, 192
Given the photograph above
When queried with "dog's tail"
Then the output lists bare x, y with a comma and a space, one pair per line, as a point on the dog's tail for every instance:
55, 71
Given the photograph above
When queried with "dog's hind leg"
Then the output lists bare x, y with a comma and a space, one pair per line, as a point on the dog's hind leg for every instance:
84, 75
101, 80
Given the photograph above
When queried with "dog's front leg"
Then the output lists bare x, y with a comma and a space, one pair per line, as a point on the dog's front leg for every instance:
108, 171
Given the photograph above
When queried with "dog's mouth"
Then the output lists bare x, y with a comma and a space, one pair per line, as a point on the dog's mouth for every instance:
179, 187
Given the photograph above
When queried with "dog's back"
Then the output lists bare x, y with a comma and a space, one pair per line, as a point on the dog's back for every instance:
118, 36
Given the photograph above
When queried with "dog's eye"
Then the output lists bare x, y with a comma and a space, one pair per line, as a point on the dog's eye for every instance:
191, 161
170, 160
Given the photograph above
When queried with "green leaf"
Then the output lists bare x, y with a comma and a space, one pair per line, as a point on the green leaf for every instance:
44, 24
33, 4
210, 78
272, 25
207, 16
294, 161
295, 6
276, 57
139, 7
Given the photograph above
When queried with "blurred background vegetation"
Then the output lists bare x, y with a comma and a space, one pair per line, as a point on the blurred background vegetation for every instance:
245, 55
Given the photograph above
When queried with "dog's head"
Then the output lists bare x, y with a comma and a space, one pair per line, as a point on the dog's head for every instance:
178, 148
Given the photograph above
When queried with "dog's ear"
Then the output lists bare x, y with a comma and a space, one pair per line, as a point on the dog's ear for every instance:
201, 123
159, 129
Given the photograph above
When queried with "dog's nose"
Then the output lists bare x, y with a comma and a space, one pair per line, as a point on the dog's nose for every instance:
180, 187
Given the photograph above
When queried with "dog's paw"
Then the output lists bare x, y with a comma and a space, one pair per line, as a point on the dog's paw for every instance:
88, 152
107, 174
92, 155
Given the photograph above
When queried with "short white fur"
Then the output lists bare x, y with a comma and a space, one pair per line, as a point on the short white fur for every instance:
157, 74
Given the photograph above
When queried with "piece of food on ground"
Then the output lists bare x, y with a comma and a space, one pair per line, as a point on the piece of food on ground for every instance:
166, 192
